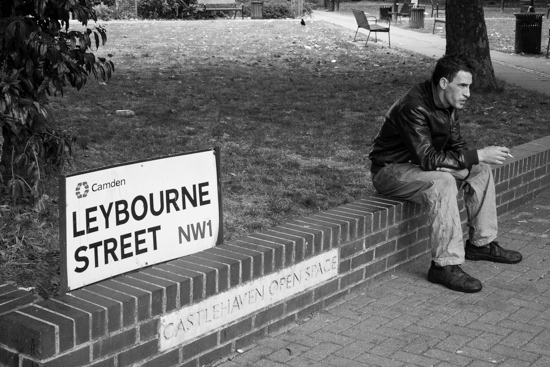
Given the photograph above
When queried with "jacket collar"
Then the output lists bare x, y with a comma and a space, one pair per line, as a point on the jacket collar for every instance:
437, 101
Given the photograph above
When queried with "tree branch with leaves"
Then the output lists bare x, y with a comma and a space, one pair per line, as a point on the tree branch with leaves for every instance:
39, 56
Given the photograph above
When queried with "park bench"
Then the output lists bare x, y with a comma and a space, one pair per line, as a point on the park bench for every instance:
204, 6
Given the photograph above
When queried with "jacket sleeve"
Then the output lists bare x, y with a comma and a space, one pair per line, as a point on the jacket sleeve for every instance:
415, 131
457, 143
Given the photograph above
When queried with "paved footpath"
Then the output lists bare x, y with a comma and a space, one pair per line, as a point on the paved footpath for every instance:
403, 320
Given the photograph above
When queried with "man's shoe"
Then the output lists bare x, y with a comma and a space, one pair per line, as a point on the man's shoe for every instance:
453, 277
492, 252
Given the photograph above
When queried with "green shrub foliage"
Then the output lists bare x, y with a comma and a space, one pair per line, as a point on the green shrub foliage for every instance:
273, 9
104, 12
172, 9
278, 9
164, 9
39, 56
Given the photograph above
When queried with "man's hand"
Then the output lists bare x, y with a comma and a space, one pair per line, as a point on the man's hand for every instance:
493, 155
459, 174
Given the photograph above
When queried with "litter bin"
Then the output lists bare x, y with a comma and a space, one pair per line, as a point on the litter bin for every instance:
385, 11
528, 32
417, 18
330, 5
256, 9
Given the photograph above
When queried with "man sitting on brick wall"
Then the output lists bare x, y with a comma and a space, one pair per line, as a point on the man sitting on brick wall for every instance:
419, 155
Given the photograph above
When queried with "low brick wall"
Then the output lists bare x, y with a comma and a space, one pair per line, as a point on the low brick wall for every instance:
117, 322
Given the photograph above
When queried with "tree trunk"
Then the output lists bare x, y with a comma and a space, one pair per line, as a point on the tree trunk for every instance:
467, 35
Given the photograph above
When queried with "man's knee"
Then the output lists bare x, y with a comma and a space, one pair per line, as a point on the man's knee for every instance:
445, 179
444, 183
481, 171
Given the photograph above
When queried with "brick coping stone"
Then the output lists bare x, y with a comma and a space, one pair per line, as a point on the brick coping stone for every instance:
116, 322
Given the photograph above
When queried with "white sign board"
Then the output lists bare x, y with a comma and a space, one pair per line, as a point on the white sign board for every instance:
219, 310
123, 218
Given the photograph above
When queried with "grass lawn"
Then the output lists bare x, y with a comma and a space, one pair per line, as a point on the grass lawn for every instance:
294, 110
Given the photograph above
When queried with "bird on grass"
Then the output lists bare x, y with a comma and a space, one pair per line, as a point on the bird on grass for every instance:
302, 22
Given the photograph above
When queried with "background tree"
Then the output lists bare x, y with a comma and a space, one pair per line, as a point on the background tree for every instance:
39, 56
466, 34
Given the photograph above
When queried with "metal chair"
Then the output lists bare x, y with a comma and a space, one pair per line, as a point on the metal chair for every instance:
363, 22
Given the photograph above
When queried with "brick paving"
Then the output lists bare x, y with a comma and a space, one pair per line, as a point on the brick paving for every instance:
403, 320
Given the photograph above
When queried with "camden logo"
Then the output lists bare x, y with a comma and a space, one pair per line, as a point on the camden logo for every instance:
82, 190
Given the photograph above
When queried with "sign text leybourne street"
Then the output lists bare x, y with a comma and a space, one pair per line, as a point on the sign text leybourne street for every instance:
122, 218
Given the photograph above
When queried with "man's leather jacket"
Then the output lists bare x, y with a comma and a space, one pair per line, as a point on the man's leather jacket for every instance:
420, 130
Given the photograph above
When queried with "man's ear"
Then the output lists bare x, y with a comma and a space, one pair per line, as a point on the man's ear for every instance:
443, 82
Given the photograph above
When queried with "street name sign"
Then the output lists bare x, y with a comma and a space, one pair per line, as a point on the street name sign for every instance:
122, 218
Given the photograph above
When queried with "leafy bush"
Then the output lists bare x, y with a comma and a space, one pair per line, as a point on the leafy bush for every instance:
164, 9
171, 9
110, 3
277, 9
39, 56
308, 7
122, 14
104, 12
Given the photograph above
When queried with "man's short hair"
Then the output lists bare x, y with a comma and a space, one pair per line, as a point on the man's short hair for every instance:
448, 66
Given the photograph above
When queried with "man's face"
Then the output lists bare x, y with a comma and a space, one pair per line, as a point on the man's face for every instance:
456, 92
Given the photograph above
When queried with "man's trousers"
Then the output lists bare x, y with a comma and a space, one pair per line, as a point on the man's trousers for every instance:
438, 191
